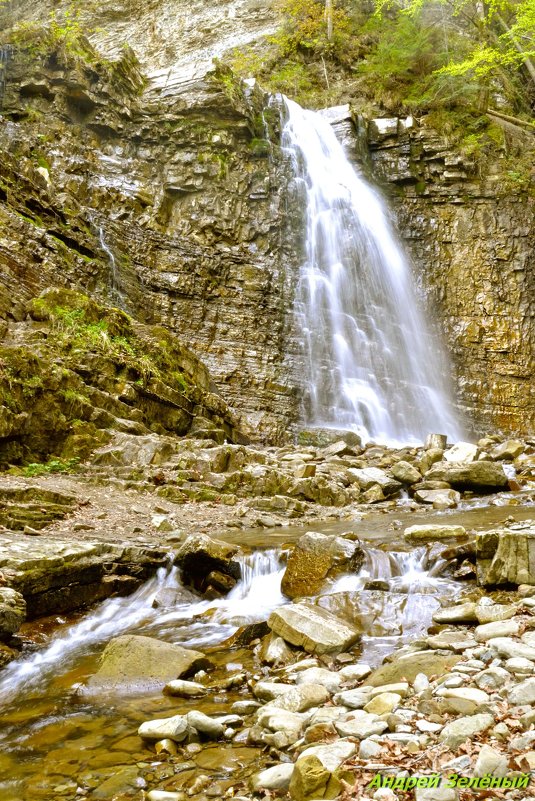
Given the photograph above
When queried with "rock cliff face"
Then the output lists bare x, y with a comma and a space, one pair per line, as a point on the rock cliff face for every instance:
161, 187
472, 243
173, 208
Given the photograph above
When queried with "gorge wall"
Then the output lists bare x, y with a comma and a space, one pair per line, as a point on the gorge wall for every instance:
178, 172
472, 243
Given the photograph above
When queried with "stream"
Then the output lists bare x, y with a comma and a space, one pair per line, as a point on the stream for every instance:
58, 741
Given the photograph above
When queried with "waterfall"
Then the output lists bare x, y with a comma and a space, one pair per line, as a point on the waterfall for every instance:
371, 362
116, 292
6, 51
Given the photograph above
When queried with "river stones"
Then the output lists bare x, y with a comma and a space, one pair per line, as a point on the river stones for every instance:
12, 611
132, 662
462, 452
498, 628
460, 613
312, 628
332, 755
184, 689
299, 699
174, 728
313, 557
439, 498
309, 779
406, 472
368, 477
433, 531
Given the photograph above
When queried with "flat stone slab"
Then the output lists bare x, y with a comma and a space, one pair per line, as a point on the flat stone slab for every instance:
56, 575
312, 628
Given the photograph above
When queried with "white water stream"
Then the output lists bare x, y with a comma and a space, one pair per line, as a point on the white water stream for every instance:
371, 362
200, 623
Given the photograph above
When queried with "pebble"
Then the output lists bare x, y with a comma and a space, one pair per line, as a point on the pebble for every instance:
490, 762
184, 689
354, 672
331, 756
507, 647
455, 733
523, 693
383, 704
519, 665
499, 628
274, 778
361, 727
369, 749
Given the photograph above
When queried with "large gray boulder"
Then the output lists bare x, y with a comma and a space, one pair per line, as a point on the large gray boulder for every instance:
312, 628
481, 475
132, 662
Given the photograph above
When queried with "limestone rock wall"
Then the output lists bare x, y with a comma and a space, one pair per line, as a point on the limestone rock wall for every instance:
472, 243
173, 207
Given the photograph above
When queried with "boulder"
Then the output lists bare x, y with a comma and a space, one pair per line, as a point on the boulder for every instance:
275, 778
491, 763
441, 498
460, 613
331, 756
511, 649
200, 556
523, 693
312, 628
174, 728
132, 662
507, 451
12, 611
299, 699
408, 667
406, 472
506, 556
483, 475
360, 725
462, 452
312, 559
498, 628
309, 779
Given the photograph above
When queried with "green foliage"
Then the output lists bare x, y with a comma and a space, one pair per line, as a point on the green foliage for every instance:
79, 325
53, 466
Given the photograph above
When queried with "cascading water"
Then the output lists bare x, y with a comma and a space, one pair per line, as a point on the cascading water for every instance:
189, 621
371, 363
115, 284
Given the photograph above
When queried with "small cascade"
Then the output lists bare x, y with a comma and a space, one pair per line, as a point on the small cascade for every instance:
405, 571
371, 364
188, 621
6, 52
113, 617
116, 291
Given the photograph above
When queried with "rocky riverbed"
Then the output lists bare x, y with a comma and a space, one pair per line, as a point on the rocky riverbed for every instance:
253, 676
